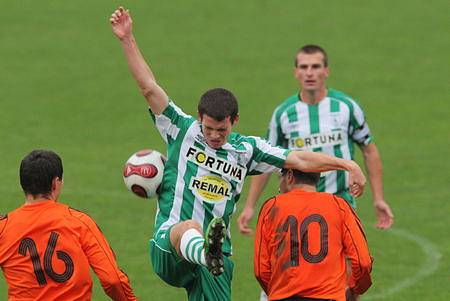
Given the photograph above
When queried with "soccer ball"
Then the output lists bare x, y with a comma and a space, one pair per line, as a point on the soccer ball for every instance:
143, 173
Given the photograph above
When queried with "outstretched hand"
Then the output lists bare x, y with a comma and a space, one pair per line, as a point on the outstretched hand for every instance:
244, 218
121, 22
385, 217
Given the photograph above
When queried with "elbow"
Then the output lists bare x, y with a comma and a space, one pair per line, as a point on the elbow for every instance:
113, 288
364, 280
111, 284
147, 87
146, 91
366, 265
363, 284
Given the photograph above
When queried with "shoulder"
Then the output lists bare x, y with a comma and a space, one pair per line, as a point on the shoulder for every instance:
268, 207
237, 140
8, 219
3, 222
82, 217
342, 205
173, 110
343, 98
236, 137
286, 104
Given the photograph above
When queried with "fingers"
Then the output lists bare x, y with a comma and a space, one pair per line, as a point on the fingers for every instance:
357, 181
118, 15
385, 224
356, 190
245, 230
385, 218
242, 222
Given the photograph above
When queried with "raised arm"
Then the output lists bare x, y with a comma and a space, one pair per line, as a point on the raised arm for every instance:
156, 97
318, 162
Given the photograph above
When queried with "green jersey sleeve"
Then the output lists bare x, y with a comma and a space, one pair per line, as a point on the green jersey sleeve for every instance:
266, 158
171, 122
359, 129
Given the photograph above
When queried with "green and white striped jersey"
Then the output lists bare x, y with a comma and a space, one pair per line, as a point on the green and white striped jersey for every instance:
331, 126
201, 183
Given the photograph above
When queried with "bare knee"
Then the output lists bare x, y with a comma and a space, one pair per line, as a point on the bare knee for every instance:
178, 230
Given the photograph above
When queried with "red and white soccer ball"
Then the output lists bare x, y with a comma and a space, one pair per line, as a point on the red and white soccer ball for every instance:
143, 173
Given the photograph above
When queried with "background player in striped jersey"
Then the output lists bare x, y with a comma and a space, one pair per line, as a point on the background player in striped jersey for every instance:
322, 120
302, 240
204, 174
47, 248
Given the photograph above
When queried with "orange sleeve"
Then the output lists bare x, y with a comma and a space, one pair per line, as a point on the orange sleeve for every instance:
261, 258
101, 258
3, 221
357, 250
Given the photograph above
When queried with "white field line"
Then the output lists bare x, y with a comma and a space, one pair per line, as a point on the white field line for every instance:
430, 265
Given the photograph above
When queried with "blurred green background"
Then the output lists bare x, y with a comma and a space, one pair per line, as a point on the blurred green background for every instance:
64, 85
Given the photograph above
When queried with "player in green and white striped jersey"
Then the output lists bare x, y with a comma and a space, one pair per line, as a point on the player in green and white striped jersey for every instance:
322, 120
204, 174
331, 126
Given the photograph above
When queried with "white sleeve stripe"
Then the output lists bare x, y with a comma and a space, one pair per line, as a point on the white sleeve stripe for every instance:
268, 149
357, 112
179, 111
165, 127
272, 136
264, 167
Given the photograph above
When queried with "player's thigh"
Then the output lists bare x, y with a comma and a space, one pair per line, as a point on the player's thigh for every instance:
167, 264
207, 287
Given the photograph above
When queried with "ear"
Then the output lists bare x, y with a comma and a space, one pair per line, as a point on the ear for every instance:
55, 183
290, 177
199, 117
235, 120
327, 72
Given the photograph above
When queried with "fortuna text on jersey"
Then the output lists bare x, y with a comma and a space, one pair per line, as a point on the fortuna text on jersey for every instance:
212, 163
318, 140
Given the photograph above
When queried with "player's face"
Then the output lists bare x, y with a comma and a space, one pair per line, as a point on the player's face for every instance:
311, 72
216, 132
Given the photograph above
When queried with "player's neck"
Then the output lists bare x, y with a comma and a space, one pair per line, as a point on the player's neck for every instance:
314, 96
33, 199
305, 187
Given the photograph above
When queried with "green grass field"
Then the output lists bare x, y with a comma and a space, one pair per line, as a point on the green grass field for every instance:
64, 85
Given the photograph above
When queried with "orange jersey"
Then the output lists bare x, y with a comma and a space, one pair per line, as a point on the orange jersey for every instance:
47, 249
302, 240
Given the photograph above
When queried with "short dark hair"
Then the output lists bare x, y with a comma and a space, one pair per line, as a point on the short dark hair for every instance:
218, 103
311, 49
310, 178
37, 171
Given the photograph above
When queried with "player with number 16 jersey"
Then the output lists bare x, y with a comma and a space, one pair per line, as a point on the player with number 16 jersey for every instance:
48, 248
26, 252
